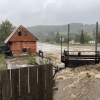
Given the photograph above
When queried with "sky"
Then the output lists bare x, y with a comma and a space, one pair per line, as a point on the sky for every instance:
49, 12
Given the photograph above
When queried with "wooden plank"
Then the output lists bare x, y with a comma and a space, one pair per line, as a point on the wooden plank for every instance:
33, 83
0, 86
41, 82
15, 84
49, 82
6, 88
24, 83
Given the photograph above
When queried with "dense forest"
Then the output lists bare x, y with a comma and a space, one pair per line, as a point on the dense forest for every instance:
79, 32
74, 28
49, 33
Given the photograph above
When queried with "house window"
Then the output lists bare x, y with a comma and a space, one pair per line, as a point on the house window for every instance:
19, 33
25, 33
24, 49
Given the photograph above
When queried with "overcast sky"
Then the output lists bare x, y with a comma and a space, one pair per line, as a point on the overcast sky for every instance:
49, 12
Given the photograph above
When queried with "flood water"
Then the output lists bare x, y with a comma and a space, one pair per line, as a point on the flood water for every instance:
49, 50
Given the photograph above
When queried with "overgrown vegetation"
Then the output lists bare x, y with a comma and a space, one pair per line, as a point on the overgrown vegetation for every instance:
32, 61
49, 33
48, 58
3, 64
3, 68
5, 29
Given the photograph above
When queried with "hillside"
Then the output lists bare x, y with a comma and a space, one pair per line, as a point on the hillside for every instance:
74, 28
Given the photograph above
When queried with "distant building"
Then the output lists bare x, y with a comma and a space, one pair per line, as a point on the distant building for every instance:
21, 41
72, 41
91, 42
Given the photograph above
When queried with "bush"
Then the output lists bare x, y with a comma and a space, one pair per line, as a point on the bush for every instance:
32, 61
3, 68
3, 65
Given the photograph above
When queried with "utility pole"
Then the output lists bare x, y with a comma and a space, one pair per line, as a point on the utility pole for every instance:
61, 39
96, 42
68, 37
96, 37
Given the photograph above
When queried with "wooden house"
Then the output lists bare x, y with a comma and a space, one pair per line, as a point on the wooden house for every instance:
21, 41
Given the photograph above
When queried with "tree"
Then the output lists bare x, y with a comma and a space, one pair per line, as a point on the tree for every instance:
77, 38
47, 40
57, 38
98, 37
93, 35
82, 38
87, 38
5, 29
51, 36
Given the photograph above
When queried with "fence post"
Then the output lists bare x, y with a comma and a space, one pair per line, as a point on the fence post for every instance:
41, 82
0, 86
24, 83
33, 83
49, 82
15, 84
6, 87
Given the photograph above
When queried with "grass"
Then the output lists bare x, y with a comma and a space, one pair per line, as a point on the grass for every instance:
32, 61
3, 68
48, 57
2, 62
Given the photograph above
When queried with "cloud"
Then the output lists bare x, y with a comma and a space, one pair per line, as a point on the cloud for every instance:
49, 12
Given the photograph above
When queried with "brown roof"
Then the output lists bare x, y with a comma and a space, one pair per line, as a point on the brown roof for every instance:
9, 37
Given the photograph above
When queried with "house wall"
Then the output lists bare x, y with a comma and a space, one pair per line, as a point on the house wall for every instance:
17, 47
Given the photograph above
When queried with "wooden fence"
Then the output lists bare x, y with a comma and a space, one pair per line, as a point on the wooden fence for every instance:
28, 83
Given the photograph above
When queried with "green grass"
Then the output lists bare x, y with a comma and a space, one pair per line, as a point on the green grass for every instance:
3, 68
2, 60
48, 57
32, 61
63, 33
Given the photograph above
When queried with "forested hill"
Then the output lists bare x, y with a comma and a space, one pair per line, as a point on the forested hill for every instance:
74, 28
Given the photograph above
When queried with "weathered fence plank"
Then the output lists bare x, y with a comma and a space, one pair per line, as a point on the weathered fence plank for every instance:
0, 85
33, 83
49, 82
6, 88
15, 84
24, 83
41, 82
